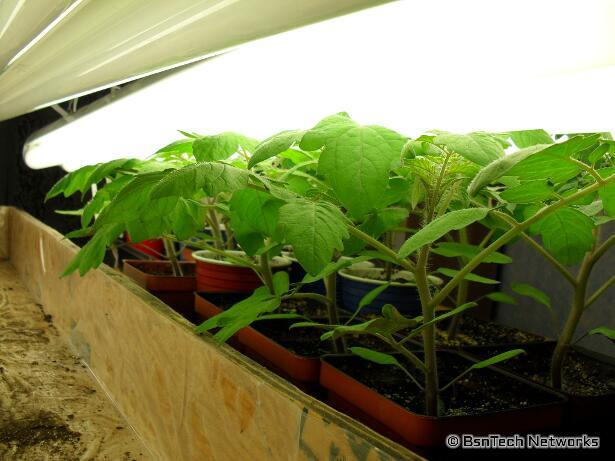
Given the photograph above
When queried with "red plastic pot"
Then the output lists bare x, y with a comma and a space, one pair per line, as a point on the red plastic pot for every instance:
299, 369
429, 431
218, 276
153, 247
177, 292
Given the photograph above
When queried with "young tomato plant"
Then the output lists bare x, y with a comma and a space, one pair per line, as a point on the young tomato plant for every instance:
442, 165
570, 235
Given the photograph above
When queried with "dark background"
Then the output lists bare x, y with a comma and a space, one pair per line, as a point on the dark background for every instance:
25, 188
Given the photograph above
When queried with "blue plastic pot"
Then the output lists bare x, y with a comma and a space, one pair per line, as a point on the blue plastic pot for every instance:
404, 296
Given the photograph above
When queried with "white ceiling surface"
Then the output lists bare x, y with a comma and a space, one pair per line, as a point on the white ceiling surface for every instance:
411, 66
22, 20
103, 42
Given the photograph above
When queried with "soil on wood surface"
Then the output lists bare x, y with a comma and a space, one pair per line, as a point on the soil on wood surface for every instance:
475, 332
163, 269
50, 406
481, 391
581, 375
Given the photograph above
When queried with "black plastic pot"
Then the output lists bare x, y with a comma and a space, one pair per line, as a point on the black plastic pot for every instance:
583, 412
414, 429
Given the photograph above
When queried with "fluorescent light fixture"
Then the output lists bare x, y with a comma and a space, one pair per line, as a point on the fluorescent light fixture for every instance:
461, 69
23, 23
99, 43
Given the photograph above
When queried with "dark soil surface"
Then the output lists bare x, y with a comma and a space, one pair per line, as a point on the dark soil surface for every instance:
582, 375
474, 332
50, 406
481, 391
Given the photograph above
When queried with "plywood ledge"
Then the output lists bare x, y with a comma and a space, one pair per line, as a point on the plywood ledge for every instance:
188, 398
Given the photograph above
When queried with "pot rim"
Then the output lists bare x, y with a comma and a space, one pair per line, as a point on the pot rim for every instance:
276, 262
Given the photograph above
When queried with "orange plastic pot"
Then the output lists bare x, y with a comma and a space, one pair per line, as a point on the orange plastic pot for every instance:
420, 430
299, 369
156, 277
219, 276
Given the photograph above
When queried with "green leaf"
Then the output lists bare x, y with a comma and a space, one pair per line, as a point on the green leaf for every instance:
103, 197
334, 266
133, 201
567, 234
454, 250
356, 160
367, 299
527, 138
280, 282
478, 147
188, 218
604, 331
221, 146
275, 145
254, 216
82, 179
69, 212
498, 358
458, 310
241, 314
528, 192
471, 277
181, 146
541, 161
211, 177
314, 229
598, 153
379, 326
550, 163
72, 182
532, 292
375, 225
607, 193
374, 356
500, 167
93, 252
500, 297
441, 226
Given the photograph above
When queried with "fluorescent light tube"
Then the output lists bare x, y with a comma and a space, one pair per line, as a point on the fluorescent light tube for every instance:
372, 65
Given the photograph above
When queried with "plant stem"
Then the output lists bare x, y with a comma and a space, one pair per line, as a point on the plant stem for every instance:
215, 229
554, 262
512, 233
331, 286
429, 334
579, 304
265, 272
565, 338
462, 290
388, 265
172, 257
